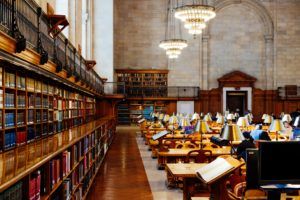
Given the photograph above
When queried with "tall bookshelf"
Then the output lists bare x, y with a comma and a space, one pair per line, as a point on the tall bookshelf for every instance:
147, 83
123, 113
51, 142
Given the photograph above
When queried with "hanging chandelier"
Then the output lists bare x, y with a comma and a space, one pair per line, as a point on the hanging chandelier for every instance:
172, 45
195, 16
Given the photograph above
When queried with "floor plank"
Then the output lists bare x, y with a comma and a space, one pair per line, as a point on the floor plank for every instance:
122, 175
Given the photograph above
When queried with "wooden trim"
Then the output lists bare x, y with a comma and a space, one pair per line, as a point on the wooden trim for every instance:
142, 71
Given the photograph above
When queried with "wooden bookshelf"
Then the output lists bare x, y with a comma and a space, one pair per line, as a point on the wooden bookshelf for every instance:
51, 145
144, 83
91, 141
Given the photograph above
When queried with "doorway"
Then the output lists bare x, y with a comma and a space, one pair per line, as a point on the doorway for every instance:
236, 101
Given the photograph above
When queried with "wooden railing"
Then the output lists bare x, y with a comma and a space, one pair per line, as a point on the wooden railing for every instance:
25, 21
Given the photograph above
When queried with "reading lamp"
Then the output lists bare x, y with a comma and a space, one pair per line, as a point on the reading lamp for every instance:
276, 126
287, 118
243, 122
221, 120
207, 118
230, 117
172, 121
166, 118
184, 122
202, 128
268, 119
264, 116
232, 133
195, 116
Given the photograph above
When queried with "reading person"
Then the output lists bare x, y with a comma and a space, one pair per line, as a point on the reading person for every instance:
245, 144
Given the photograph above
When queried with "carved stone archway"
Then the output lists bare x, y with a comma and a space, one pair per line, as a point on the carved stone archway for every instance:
265, 18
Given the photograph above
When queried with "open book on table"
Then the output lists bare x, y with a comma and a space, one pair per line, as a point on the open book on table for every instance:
217, 169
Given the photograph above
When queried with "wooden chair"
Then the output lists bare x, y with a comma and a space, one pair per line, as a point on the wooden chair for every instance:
202, 156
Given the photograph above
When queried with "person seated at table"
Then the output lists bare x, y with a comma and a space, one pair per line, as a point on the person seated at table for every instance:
288, 130
248, 142
156, 123
259, 134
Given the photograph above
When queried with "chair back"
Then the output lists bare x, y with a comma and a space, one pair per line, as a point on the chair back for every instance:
199, 156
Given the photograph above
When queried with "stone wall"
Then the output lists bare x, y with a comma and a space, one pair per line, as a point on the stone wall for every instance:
258, 37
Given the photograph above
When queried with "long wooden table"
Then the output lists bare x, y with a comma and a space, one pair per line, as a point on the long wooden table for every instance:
178, 155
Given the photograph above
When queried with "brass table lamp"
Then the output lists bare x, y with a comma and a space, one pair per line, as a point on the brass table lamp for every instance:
202, 128
276, 126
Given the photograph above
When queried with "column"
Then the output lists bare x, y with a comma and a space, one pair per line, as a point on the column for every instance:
269, 42
205, 61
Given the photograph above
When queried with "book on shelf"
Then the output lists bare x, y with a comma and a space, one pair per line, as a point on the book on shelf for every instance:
21, 101
217, 169
15, 192
10, 80
21, 137
1, 76
30, 84
21, 82
30, 116
9, 119
1, 98
66, 164
9, 100
30, 134
35, 186
20, 118
9, 139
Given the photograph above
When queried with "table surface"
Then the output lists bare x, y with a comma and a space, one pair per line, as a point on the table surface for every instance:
184, 152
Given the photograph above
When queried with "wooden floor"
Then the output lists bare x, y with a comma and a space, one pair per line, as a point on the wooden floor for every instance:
122, 175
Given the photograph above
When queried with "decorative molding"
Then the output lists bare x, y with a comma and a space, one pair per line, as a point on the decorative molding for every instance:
236, 79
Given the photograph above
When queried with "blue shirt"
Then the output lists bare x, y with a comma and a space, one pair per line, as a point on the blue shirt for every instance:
255, 134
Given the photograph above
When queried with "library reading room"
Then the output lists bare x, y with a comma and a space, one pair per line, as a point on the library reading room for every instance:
149, 99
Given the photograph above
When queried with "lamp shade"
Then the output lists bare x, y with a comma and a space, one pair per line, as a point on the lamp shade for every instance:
184, 122
268, 119
218, 115
249, 117
264, 116
243, 121
207, 118
161, 116
230, 116
195, 116
202, 127
281, 115
173, 120
286, 118
276, 125
232, 132
221, 120
297, 122
156, 114
166, 118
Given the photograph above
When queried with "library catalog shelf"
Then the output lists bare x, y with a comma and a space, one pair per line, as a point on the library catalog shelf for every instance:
58, 166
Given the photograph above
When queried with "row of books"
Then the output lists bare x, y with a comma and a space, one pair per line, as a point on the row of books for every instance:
9, 139
20, 118
54, 172
9, 100
21, 101
13, 193
1, 98
9, 119
21, 137
35, 186
21, 82
10, 80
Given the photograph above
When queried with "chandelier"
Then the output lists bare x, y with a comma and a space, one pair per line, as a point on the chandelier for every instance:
172, 44
195, 16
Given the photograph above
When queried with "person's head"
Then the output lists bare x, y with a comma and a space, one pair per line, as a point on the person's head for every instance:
155, 119
247, 136
286, 124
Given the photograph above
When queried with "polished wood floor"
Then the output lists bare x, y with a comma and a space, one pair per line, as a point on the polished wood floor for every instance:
122, 175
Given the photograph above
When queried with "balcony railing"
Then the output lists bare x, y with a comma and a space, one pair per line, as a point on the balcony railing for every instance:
160, 92
25, 21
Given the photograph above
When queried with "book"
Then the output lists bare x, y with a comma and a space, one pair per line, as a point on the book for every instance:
159, 135
217, 169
